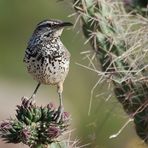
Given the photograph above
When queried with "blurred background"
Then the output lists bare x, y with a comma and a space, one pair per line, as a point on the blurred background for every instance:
17, 22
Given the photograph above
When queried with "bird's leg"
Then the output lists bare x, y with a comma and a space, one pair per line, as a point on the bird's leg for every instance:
61, 108
35, 91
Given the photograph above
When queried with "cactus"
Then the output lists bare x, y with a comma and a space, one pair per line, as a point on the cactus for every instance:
137, 6
119, 40
35, 126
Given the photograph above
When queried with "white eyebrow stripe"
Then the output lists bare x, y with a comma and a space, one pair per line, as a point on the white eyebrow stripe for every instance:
42, 23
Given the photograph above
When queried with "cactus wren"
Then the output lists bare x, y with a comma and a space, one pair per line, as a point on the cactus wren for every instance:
46, 57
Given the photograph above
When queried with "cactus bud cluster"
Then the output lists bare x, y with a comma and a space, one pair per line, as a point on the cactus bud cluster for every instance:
34, 125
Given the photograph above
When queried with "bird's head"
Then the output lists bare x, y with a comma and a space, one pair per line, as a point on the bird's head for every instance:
52, 28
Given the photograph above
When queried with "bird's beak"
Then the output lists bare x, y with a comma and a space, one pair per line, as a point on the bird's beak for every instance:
64, 24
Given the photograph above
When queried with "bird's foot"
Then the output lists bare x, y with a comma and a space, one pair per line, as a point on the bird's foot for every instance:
59, 113
32, 98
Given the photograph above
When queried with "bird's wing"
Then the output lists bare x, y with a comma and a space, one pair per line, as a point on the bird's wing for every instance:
32, 51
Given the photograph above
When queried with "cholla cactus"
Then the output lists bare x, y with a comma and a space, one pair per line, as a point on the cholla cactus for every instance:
119, 41
35, 126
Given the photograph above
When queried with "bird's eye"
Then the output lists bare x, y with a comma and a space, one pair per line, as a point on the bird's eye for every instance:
50, 25
47, 25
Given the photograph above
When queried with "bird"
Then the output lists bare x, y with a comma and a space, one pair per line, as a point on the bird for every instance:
47, 59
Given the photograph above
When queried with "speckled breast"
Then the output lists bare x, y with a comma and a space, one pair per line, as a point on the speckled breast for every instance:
48, 64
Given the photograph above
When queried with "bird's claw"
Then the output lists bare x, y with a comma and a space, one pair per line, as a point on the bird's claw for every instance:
59, 113
32, 98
